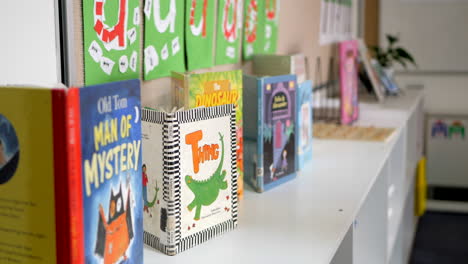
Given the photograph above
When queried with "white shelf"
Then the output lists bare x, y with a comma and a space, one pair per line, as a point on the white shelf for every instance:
305, 219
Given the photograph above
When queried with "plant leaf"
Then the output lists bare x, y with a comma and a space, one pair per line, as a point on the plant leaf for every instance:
392, 39
405, 54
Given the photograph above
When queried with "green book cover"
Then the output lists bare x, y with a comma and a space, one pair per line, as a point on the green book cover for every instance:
111, 40
229, 28
212, 89
199, 21
164, 50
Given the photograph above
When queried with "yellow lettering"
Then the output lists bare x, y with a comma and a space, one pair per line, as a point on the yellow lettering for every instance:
91, 175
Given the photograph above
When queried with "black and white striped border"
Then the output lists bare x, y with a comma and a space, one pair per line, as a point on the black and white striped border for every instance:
172, 181
204, 113
152, 116
172, 178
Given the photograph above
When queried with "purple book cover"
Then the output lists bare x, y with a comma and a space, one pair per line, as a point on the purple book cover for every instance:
279, 96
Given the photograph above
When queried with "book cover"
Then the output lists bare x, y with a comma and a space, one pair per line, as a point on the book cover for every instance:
86, 146
212, 89
190, 176
270, 124
349, 81
372, 75
304, 124
111, 166
32, 158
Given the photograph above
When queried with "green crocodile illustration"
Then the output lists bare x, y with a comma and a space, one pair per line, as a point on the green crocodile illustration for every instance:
207, 191
151, 204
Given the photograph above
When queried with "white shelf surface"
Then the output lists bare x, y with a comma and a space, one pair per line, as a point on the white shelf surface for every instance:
305, 219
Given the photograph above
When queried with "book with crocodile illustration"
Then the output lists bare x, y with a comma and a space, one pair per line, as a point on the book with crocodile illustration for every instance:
269, 130
189, 176
211, 89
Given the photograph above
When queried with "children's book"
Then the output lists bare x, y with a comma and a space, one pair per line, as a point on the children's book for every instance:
269, 130
189, 176
304, 124
349, 82
212, 89
273, 65
387, 81
372, 75
70, 168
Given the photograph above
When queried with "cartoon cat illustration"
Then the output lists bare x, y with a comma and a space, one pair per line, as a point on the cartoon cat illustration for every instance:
116, 232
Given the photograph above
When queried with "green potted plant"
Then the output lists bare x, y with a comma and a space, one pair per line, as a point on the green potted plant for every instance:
393, 54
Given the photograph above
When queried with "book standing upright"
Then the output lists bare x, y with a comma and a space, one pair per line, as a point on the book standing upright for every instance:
189, 175
270, 123
212, 89
73, 163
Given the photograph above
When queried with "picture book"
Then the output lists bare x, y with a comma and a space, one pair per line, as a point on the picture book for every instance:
273, 65
371, 74
212, 89
269, 130
85, 143
189, 176
304, 124
348, 51
387, 81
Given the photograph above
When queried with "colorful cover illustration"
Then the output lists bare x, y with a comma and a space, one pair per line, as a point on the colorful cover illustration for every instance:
199, 32
349, 82
212, 89
164, 38
390, 85
111, 40
194, 161
269, 19
111, 152
304, 124
229, 31
270, 130
372, 75
88, 142
253, 38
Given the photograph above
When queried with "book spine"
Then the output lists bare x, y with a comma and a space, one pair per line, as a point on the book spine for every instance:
75, 191
260, 123
172, 182
62, 226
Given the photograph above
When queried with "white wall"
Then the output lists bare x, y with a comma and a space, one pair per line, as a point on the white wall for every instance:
435, 32
28, 46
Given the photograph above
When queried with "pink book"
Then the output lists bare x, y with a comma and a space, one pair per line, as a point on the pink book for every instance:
349, 81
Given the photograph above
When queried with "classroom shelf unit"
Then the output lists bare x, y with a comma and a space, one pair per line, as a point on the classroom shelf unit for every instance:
354, 203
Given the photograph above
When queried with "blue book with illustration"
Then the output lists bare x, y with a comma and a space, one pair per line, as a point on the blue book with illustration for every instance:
269, 130
78, 161
110, 160
304, 124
